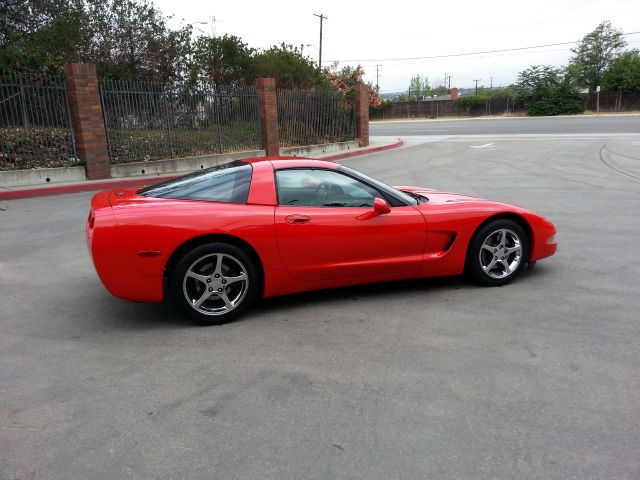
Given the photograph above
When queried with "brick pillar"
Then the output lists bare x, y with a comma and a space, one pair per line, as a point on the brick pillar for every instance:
454, 94
87, 119
362, 114
268, 116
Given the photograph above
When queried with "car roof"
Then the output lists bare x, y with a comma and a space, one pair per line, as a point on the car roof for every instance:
293, 162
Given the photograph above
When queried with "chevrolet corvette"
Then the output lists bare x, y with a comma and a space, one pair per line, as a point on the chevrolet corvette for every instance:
216, 240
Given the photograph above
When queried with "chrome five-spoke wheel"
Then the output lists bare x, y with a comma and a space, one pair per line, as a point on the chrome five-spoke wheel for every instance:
214, 282
501, 253
498, 252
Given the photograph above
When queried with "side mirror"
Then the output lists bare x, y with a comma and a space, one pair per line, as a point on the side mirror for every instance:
380, 206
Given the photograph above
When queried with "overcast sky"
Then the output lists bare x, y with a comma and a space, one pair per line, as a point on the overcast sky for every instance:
368, 31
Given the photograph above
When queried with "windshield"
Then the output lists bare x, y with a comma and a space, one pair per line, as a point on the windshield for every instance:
397, 194
227, 183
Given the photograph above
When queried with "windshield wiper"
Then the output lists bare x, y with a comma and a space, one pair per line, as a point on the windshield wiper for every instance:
419, 198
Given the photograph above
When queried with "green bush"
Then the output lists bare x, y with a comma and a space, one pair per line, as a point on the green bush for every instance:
385, 105
555, 106
472, 101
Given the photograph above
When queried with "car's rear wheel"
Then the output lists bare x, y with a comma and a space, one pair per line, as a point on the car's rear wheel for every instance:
498, 252
215, 282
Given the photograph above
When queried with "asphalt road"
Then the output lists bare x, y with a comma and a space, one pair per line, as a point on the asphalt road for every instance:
525, 125
410, 380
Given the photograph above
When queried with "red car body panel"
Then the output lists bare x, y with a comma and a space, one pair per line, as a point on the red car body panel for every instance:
131, 238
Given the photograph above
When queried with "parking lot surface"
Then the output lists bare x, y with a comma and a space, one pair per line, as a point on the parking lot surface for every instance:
407, 380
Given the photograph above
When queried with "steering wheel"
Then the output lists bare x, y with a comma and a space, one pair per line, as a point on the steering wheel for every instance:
326, 189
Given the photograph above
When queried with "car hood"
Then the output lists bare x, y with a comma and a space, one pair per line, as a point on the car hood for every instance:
436, 197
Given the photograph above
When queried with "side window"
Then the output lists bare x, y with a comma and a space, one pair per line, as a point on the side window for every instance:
322, 188
225, 183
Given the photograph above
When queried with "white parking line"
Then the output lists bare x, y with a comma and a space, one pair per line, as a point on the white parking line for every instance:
486, 145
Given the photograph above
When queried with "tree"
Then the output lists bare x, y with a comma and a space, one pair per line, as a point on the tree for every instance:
39, 34
547, 90
129, 39
623, 73
594, 53
419, 86
288, 66
440, 90
346, 79
225, 60
126, 39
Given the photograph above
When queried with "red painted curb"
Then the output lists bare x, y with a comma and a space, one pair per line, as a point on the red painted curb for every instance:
95, 185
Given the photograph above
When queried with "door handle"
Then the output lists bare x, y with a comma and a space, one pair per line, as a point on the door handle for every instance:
297, 218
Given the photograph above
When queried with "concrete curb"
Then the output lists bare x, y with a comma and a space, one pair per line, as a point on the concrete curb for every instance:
341, 156
95, 185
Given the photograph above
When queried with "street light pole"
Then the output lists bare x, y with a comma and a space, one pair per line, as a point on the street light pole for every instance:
321, 17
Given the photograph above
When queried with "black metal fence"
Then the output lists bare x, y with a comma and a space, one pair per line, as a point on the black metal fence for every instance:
35, 125
307, 117
146, 121
446, 108
612, 102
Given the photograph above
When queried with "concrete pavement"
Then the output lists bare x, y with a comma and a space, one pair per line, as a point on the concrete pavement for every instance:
409, 380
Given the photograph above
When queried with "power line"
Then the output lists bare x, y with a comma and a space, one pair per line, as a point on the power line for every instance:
468, 53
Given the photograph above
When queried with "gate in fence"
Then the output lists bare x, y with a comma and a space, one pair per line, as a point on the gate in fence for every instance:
35, 124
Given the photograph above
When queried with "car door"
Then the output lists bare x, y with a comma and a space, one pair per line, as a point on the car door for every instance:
326, 228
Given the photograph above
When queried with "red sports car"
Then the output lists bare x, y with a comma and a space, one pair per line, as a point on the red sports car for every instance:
218, 239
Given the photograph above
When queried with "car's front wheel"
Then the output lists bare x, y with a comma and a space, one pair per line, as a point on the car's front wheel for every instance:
498, 252
215, 282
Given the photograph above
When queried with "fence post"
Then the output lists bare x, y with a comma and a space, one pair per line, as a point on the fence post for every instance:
268, 115
362, 114
87, 119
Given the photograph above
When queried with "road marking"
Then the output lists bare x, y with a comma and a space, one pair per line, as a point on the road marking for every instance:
486, 145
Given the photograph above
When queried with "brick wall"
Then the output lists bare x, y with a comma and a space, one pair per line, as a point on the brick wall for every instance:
87, 120
362, 114
268, 115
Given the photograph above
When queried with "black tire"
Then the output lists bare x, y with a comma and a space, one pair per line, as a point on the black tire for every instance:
493, 259
219, 268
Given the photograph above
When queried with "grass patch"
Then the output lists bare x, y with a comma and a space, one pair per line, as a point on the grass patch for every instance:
140, 145
35, 147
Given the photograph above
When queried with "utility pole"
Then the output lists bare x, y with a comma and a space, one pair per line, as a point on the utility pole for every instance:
445, 80
378, 67
321, 17
449, 77
476, 84
491, 84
